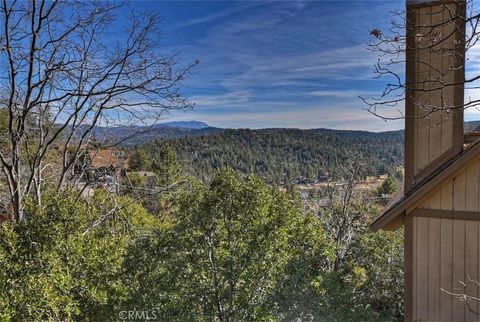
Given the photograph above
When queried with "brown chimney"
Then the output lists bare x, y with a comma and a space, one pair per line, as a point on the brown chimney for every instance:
435, 51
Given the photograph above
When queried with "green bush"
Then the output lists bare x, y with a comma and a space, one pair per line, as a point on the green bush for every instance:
65, 262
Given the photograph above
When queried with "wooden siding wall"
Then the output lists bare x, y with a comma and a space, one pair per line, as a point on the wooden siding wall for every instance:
432, 135
445, 252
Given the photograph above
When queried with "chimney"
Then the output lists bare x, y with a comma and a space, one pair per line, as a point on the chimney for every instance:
435, 50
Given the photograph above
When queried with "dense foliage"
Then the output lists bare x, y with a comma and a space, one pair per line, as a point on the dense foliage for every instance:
231, 249
234, 249
284, 155
56, 267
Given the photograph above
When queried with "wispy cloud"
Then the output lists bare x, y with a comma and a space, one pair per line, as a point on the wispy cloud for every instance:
280, 63
222, 100
348, 93
217, 15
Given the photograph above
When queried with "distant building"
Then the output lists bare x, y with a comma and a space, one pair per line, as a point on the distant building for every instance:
106, 167
107, 158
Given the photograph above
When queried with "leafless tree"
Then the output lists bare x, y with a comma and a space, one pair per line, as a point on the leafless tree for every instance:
464, 294
440, 36
344, 221
66, 68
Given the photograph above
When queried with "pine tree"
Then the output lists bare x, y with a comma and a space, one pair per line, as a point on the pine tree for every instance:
166, 166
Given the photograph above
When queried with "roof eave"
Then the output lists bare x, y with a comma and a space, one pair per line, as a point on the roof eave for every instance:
426, 185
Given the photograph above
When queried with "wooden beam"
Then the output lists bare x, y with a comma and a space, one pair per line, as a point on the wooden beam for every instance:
447, 155
433, 180
447, 214
409, 287
410, 118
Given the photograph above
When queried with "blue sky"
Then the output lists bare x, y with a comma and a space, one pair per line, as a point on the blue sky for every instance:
296, 64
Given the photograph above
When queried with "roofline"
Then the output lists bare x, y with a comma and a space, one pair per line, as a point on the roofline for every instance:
426, 185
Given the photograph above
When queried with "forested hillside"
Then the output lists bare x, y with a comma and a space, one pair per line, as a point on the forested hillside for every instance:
282, 155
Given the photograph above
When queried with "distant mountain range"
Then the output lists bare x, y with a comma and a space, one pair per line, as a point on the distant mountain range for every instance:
135, 135
471, 126
185, 124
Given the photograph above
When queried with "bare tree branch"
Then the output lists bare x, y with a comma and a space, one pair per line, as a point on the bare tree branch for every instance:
66, 75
